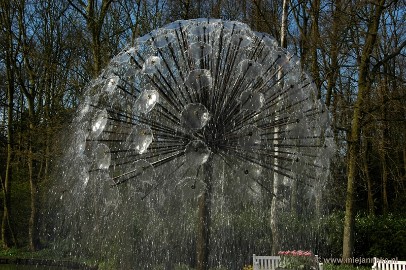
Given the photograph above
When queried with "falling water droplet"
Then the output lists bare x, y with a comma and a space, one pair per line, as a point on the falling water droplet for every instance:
102, 156
195, 116
141, 177
240, 41
139, 139
85, 176
252, 101
151, 65
200, 29
196, 153
81, 141
250, 69
111, 84
146, 101
199, 79
84, 108
175, 25
99, 122
189, 187
249, 137
199, 50
163, 39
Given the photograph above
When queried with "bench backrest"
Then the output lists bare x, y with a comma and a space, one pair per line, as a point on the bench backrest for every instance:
380, 264
272, 262
265, 262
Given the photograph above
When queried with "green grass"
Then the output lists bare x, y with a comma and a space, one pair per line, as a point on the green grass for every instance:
328, 266
24, 253
44, 254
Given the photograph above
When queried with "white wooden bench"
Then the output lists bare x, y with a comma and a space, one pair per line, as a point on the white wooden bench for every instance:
380, 264
265, 262
272, 262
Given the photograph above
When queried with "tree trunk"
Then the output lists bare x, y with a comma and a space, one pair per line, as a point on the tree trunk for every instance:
276, 241
363, 87
383, 145
204, 223
32, 224
303, 35
293, 199
315, 36
370, 195
284, 24
404, 162
384, 167
216, 9
294, 189
334, 50
7, 235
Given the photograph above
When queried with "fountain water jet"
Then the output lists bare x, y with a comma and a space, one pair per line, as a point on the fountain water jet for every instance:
187, 99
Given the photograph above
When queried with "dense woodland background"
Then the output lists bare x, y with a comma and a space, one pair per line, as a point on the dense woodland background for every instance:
354, 49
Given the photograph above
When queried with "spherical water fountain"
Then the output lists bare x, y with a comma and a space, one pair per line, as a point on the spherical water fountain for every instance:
193, 113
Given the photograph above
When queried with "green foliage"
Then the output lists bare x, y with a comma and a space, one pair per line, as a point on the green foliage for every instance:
20, 204
158, 267
106, 265
10, 252
51, 255
322, 236
331, 234
25, 253
182, 266
344, 267
218, 268
378, 236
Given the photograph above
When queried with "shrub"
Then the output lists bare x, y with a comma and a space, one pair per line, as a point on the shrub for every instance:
380, 236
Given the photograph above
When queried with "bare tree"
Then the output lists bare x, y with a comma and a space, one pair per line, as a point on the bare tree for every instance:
94, 12
376, 10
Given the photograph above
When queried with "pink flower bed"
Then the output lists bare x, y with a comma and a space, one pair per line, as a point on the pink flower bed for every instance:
297, 259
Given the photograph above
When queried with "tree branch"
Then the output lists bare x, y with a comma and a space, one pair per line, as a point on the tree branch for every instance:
78, 9
395, 53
